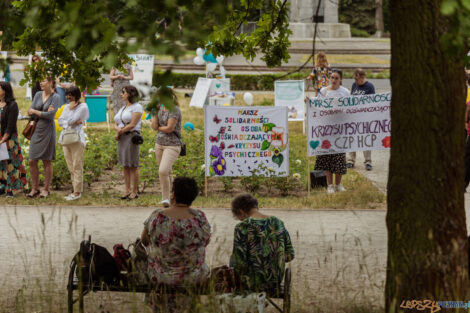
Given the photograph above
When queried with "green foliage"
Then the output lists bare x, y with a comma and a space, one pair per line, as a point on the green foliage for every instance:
359, 33
456, 40
360, 14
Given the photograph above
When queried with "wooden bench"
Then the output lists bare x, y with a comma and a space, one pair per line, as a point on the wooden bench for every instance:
284, 292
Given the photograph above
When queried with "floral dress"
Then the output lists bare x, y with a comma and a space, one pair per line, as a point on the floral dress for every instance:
321, 76
177, 248
118, 84
261, 247
12, 171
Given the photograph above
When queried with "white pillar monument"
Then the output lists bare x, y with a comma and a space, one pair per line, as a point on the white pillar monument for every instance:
302, 20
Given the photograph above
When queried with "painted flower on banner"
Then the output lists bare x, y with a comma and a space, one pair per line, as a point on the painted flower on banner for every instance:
387, 142
218, 163
219, 166
326, 144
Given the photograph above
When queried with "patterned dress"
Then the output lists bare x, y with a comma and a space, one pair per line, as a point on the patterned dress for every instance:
177, 248
12, 171
321, 76
118, 84
261, 247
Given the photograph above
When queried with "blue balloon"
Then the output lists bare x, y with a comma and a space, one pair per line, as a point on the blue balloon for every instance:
189, 126
209, 57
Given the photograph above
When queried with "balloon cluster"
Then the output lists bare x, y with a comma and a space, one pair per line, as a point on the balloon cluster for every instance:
202, 57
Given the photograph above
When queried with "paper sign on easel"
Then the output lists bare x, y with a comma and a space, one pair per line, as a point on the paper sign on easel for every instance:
290, 93
142, 67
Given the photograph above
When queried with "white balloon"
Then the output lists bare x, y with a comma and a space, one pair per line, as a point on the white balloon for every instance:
248, 98
211, 67
198, 61
220, 59
200, 52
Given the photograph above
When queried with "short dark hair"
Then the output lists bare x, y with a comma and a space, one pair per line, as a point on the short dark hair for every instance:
132, 92
359, 72
6, 86
243, 203
340, 72
185, 190
74, 91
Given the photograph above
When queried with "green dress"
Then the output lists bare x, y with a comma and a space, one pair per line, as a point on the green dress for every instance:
261, 247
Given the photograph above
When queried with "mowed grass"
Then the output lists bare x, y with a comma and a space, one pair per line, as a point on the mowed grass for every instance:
351, 59
361, 194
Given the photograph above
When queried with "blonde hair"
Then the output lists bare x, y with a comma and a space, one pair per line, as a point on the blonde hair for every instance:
321, 60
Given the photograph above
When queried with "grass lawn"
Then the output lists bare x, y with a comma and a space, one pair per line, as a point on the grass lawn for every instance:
104, 180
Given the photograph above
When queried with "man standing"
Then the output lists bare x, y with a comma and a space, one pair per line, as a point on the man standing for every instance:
361, 87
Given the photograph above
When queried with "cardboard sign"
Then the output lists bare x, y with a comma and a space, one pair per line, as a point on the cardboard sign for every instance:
200, 92
142, 67
246, 141
290, 93
345, 124
206, 88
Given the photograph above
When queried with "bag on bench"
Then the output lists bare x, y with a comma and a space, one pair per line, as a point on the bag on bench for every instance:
139, 263
95, 264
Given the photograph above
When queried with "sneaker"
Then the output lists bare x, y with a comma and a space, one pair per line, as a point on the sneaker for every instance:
350, 165
330, 189
368, 167
9, 194
165, 203
68, 196
72, 197
340, 188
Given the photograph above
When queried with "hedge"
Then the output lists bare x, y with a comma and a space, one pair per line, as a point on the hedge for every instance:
240, 81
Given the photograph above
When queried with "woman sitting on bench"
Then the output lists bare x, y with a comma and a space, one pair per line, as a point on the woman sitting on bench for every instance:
261, 246
177, 238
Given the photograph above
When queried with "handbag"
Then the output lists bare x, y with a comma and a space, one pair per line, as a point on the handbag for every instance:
69, 136
318, 179
136, 139
183, 145
28, 131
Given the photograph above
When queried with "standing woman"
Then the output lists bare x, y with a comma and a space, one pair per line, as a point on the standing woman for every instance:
167, 145
118, 81
12, 171
128, 121
321, 73
73, 117
333, 163
42, 146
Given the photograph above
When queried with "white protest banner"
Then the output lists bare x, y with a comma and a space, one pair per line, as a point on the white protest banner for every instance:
3, 56
290, 93
142, 67
200, 92
345, 124
246, 141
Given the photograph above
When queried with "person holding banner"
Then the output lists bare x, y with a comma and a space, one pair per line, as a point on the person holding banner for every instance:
128, 122
361, 87
12, 170
333, 163
167, 145
120, 79
42, 146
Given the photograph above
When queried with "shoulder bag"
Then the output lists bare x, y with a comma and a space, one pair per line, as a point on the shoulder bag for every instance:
136, 139
183, 145
70, 136
28, 131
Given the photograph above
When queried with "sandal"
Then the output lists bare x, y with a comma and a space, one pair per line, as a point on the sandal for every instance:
135, 197
33, 194
42, 196
125, 197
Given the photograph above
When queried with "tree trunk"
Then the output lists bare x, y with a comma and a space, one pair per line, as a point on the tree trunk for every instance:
379, 18
427, 237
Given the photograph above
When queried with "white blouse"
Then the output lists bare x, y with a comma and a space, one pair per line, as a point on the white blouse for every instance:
69, 117
124, 116
340, 92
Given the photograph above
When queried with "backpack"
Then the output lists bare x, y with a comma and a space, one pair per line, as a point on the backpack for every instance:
95, 264
122, 257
